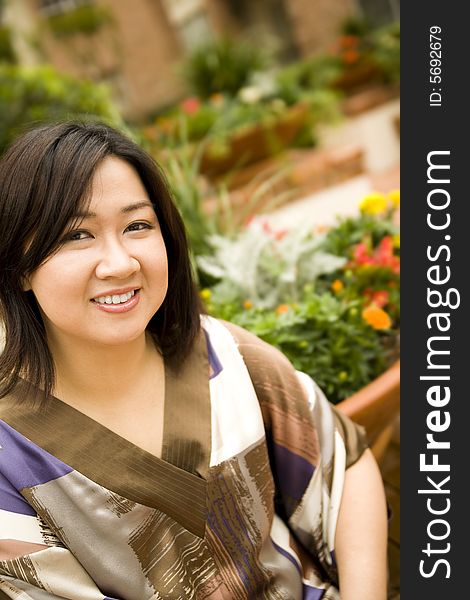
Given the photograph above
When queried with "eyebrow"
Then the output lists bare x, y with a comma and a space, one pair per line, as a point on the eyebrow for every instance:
125, 210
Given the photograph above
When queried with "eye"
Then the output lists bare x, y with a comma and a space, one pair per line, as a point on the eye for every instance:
139, 226
75, 236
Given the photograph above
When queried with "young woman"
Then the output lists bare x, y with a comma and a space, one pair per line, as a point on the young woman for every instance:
147, 451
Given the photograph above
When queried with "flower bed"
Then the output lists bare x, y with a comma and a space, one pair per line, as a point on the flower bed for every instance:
328, 300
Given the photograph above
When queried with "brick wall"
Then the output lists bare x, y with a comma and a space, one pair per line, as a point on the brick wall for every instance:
150, 50
136, 54
315, 23
139, 54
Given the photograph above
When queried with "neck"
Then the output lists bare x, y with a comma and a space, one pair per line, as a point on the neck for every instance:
101, 374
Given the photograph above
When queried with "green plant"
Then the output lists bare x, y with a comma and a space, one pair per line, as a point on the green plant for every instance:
220, 120
86, 19
222, 66
182, 172
329, 301
385, 43
7, 53
307, 76
265, 267
189, 189
371, 243
321, 335
358, 26
31, 95
352, 230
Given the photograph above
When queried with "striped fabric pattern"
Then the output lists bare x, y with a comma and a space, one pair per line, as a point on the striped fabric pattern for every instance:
243, 503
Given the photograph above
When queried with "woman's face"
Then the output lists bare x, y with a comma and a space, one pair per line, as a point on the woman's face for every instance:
110, 275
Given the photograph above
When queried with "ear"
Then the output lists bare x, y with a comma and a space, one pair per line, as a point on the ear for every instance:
25, 284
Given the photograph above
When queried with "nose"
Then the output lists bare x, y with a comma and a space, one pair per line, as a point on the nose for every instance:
116, 261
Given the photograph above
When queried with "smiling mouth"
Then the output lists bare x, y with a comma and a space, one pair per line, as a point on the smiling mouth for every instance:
115, 298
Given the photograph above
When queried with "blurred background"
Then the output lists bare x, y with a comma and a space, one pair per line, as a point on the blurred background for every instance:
277, 124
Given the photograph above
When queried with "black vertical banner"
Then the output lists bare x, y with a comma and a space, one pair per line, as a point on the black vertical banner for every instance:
435, 350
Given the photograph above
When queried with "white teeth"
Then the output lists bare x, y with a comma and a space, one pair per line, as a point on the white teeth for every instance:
115, 299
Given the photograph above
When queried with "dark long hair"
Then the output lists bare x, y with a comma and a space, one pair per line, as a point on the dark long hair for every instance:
45, 178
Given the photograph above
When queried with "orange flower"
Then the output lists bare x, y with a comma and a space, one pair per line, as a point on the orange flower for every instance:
282, 308
217, 99
337, 286
350, 57
349, 41
247, 304
376, 317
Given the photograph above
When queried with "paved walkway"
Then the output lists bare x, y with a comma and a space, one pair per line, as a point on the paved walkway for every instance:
376, 132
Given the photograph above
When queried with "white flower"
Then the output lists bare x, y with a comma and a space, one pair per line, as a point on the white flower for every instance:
250, 94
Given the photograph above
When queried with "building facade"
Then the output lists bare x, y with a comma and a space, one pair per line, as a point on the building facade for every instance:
137, 46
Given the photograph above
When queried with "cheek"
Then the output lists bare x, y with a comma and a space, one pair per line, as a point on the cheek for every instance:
159, 264
55, 282
161, 279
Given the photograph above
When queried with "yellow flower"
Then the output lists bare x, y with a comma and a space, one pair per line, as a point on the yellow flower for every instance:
373, 204
396, 241
343, 376
394, 196
282, 308
247, 304
205, 294
376, 317
337, 286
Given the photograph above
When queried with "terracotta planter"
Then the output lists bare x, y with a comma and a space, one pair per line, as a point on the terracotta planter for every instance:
376, 407
356, 76
256, 142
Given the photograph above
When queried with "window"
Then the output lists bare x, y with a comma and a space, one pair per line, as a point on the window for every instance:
189, 19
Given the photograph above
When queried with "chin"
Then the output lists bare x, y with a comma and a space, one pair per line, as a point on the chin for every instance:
121, 338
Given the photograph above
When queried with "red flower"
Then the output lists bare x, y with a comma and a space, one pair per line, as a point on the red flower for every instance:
361, 254
384, 251
267, 228
190, 105
382, 256
380, 298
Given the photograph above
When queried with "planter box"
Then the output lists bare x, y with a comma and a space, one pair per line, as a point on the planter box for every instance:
298, 173
256, 142
356, 76
368, 98
376, 406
